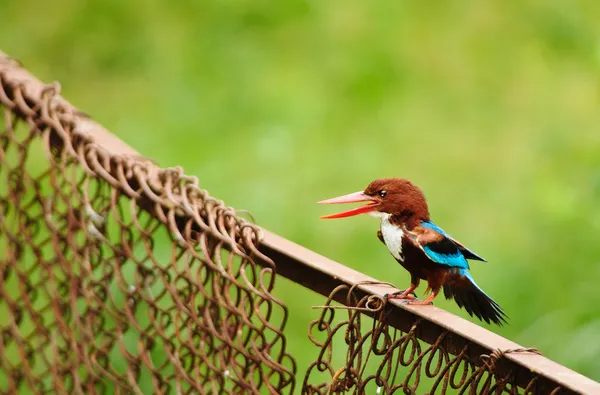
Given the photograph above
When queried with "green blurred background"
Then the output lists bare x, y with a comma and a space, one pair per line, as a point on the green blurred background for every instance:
491, 107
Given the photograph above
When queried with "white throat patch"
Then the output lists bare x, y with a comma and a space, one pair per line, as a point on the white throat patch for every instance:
392, 236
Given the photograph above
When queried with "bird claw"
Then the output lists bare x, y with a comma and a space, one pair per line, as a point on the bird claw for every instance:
399, 295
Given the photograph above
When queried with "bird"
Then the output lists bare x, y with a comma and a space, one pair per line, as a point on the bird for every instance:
424, 249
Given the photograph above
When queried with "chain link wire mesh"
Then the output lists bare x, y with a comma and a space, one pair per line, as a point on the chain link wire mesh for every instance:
119, 277
381, 359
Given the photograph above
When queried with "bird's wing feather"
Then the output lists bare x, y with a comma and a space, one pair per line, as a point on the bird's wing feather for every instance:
439, 246
467, 253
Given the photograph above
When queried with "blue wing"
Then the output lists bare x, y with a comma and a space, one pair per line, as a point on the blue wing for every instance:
440, 247
467, 253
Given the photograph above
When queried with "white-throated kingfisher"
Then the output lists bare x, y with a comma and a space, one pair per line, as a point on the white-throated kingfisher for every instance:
421, 247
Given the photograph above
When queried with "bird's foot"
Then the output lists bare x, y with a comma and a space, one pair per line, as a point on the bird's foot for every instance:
428, 300
400, 295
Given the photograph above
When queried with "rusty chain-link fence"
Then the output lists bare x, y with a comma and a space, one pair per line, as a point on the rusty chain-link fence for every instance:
383, 359
115, 273
117, 276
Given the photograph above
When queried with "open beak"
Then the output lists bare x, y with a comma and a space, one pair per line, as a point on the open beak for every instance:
351, 198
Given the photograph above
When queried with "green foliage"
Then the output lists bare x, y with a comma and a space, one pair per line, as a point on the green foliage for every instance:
492, 108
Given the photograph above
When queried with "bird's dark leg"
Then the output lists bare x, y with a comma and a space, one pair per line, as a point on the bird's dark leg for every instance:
429, 299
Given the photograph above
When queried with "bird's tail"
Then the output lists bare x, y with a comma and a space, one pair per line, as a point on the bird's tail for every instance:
475, 301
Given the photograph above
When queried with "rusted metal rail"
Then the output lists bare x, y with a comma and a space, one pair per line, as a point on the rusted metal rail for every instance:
456, 344
323, 275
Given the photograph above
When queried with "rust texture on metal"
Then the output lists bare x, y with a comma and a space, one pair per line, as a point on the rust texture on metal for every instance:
452, 355
119, 276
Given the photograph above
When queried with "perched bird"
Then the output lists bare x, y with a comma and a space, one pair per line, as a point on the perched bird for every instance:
421, 247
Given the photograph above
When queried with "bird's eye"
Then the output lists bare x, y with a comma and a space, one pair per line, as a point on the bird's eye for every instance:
383, 193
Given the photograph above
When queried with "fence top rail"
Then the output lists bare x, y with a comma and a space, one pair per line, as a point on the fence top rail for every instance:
323, 275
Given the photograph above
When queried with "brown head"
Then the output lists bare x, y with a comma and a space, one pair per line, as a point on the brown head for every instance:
395, 196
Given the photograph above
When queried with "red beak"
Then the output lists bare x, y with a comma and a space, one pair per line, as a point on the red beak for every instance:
351, 198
